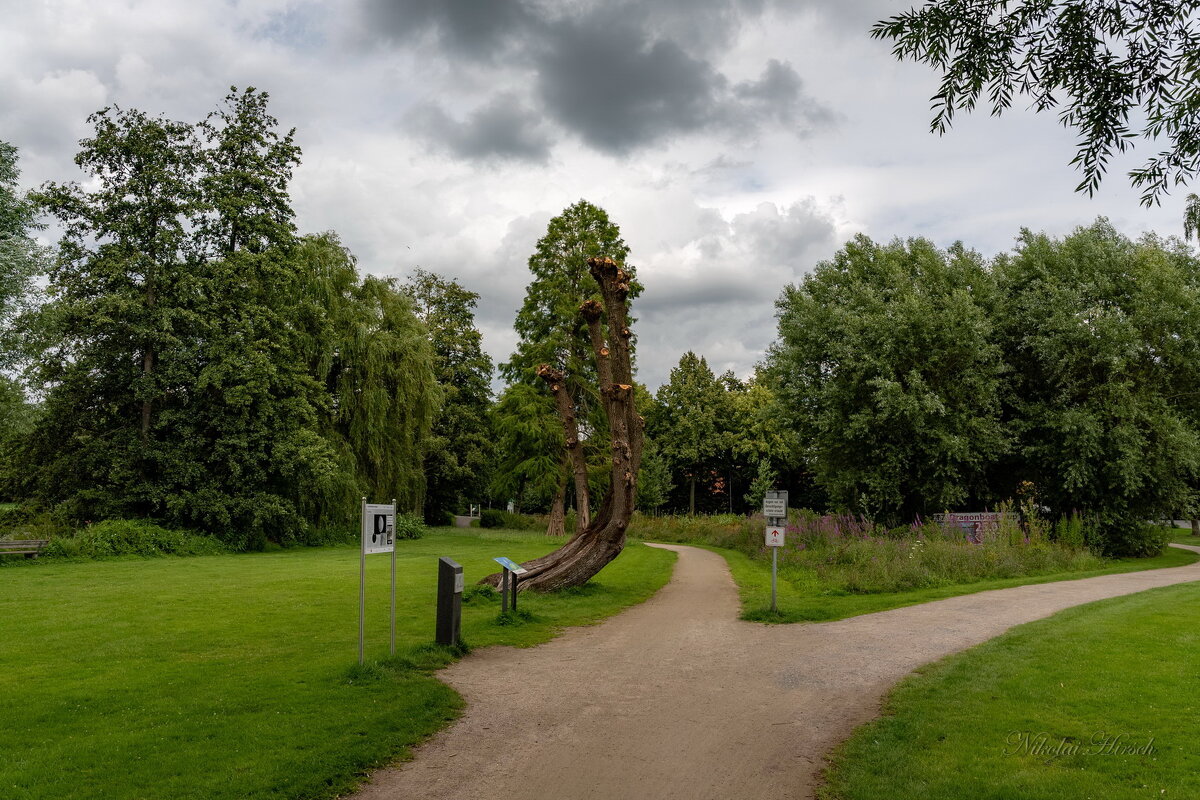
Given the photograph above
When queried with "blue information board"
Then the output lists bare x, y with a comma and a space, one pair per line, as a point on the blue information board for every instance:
510, 565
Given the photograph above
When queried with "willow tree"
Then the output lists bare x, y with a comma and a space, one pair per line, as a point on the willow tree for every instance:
599, 542
365, 344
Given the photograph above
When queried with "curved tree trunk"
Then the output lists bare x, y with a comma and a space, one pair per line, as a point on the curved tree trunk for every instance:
599, 542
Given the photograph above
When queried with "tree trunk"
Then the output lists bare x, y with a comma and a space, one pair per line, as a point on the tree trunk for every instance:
1196, 527
692, 502
602, 540
557, 526
575, 457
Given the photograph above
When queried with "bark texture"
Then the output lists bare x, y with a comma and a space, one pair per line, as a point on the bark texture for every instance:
600, 541
576, 458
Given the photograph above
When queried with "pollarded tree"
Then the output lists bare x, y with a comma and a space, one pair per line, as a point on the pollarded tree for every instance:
552, 334
458, 454
1100, 61
603, 538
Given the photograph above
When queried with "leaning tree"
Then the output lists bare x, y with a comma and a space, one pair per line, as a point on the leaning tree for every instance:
602, 539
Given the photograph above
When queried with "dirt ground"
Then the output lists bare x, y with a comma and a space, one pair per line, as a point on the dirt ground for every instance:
677, 698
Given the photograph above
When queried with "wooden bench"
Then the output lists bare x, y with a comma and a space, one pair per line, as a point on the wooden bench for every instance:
30, 547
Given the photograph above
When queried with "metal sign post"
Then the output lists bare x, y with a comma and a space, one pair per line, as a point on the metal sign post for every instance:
511, 570
393, 645
775, 510
378, 536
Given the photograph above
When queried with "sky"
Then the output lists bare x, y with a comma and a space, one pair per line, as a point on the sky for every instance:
737, 143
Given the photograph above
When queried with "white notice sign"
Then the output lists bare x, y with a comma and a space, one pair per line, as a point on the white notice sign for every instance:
378, 528
775, 504
775, 536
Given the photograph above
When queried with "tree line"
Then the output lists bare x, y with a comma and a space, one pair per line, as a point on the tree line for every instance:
188, 355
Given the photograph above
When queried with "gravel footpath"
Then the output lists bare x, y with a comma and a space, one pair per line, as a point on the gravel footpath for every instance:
677, 698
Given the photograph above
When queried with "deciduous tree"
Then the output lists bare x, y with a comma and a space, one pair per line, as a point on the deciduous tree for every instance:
459, 451
889, 370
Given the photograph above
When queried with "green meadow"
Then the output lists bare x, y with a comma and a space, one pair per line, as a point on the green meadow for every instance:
236, 676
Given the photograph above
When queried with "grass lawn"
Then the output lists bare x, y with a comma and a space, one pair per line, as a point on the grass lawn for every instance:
236, 676
1063, 708
802, 598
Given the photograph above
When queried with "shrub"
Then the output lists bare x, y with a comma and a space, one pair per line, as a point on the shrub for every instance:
118, 537
409, 526
491, 518
1130, 539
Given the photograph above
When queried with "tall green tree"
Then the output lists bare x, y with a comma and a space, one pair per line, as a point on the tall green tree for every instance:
888, 366
529, 452
688, 424
204, 364
114, 340
1103, 339
459, 452
552, 332
21, 258
364, 343
21, 261
1105, 65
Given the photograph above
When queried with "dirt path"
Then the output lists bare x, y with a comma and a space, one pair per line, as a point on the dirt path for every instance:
677, 698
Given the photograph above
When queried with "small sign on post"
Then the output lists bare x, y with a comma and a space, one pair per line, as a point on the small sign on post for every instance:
775, 505
511, 570
378, 536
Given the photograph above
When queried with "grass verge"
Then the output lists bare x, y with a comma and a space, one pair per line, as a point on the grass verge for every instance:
802, 598
1086, 703
236, 676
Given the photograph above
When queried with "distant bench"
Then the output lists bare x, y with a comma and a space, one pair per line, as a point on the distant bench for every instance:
30, 547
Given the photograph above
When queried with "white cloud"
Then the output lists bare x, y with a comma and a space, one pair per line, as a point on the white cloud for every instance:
719, 215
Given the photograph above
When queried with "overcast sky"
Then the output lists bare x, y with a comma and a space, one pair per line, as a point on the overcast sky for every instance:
737, 143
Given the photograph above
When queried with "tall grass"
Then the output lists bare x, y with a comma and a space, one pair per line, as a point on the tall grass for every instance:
845, 554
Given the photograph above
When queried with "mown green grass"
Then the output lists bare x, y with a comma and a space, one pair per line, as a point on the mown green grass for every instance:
802, 598
236, 676
1028, 715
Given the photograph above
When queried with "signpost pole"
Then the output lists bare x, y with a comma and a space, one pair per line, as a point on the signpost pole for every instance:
393, 576
774, 563
504, 594
362, 582
775, 510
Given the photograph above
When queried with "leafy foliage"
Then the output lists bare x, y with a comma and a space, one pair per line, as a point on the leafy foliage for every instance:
458, 453
1102, 336
1102, 62
201, 363
888, 368
549, 326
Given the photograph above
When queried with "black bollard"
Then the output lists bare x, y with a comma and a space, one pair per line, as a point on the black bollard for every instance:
449, 601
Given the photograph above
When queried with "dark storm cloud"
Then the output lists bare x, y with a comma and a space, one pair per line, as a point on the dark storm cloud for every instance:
502, 129
616, 89
471, 28
618, 75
